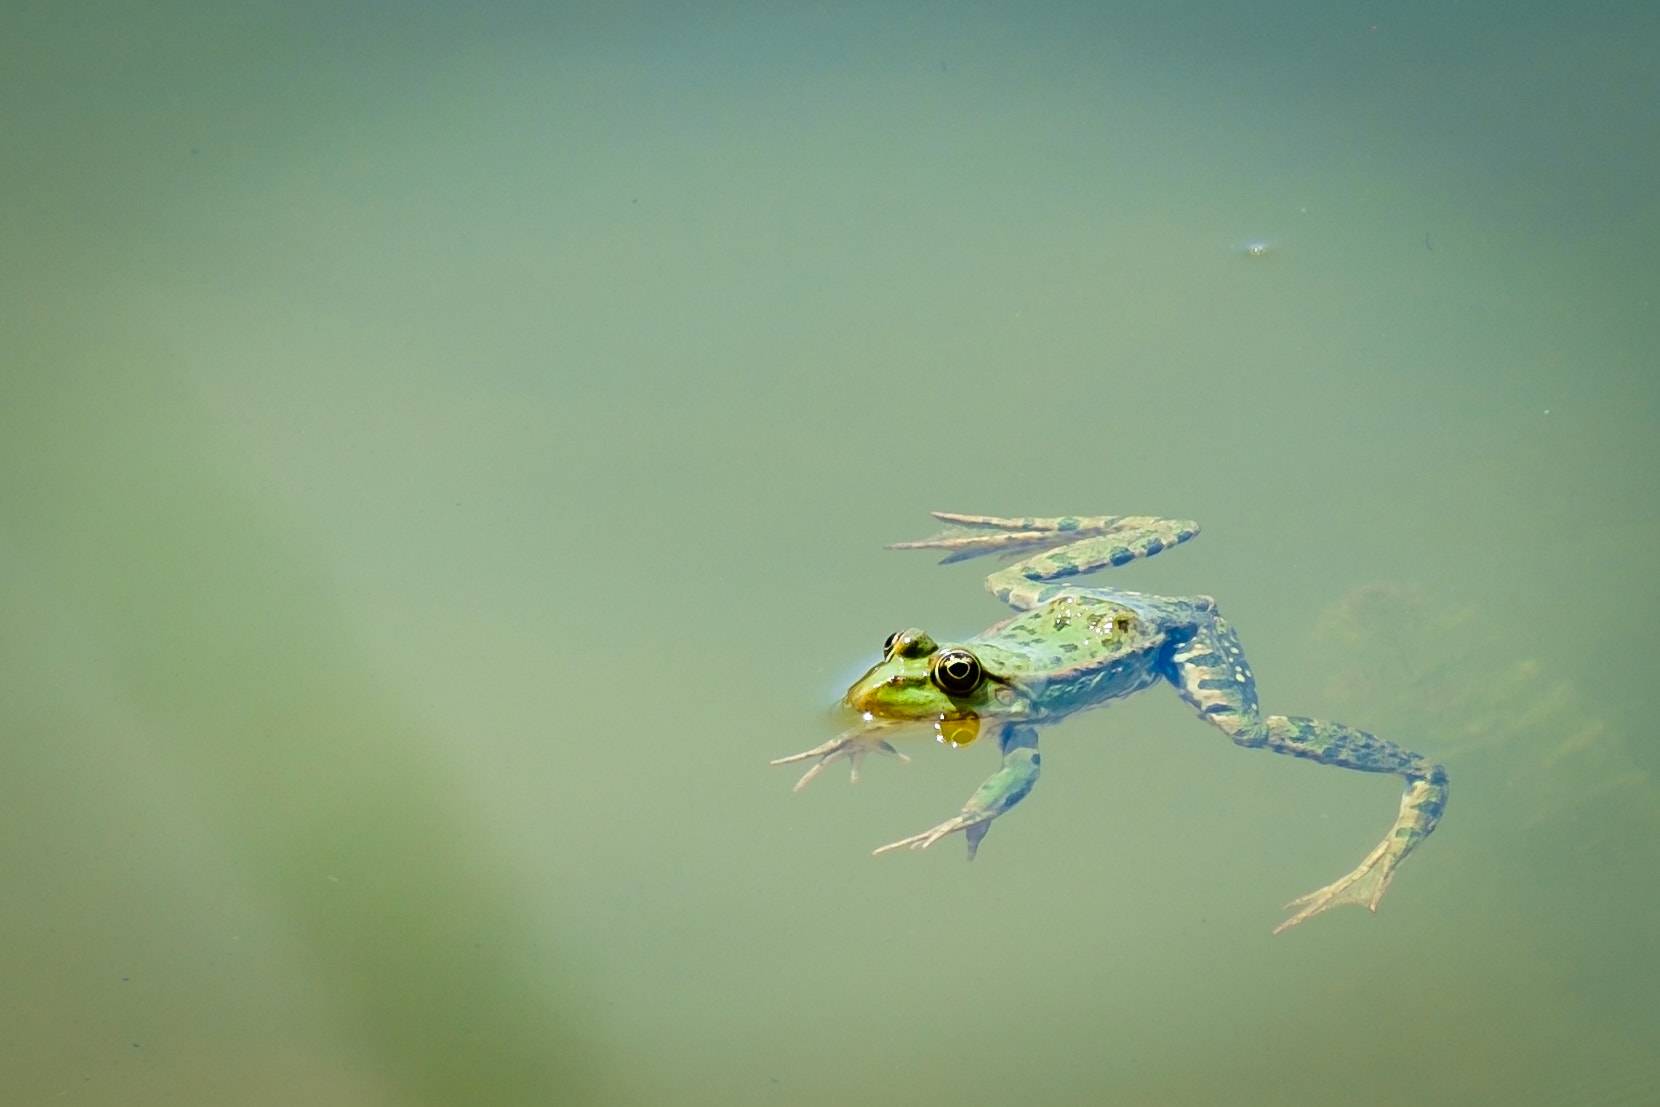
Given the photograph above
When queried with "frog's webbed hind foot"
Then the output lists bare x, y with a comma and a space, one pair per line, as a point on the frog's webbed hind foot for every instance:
853, 744
1364, 886
1421, 806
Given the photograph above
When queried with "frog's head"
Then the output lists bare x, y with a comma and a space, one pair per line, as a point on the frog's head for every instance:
951, 686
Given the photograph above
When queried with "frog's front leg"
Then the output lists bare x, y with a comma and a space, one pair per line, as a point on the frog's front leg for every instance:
1065, 547
853, 744
1001, 791
1211, 673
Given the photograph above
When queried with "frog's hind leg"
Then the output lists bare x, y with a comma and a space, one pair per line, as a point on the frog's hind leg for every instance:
1064, 547
1422, 802
1211, 674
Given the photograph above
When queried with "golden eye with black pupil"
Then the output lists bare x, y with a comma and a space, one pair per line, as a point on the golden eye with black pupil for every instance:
887, 647
957, 672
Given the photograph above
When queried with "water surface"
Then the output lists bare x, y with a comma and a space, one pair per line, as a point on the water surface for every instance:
444, 457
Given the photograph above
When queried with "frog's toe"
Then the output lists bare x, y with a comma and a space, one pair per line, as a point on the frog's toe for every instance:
853, 746
917, 841
974, 824
1364, 886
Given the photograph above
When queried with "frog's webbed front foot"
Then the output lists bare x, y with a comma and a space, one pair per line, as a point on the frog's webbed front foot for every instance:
1001, 791
973, 823
967, 536
854, 744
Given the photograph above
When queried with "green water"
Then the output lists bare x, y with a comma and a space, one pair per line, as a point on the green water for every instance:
444, 456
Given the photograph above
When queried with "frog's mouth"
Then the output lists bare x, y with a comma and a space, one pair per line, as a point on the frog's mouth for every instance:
869, 734
882, 699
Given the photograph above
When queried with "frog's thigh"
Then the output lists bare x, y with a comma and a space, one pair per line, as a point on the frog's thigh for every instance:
1210, 672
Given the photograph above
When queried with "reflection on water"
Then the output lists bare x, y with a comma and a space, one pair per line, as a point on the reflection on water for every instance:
1421, 666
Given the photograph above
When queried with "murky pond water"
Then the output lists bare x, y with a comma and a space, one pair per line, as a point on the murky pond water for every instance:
444, 456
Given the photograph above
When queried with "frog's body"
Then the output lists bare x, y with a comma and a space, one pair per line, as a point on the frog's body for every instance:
1069, 648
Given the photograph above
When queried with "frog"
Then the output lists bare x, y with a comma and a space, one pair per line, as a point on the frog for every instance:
1070, 647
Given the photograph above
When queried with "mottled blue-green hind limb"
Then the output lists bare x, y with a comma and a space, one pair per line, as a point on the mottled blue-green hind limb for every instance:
1001, 791
1087, 543
1210, 672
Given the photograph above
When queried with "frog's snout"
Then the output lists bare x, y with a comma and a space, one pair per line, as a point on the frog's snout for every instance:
864, 696
885, 695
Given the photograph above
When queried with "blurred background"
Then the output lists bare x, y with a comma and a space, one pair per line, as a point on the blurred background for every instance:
446, 452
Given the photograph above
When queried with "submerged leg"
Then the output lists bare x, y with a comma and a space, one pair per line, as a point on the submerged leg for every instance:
1211, 674
1001, 791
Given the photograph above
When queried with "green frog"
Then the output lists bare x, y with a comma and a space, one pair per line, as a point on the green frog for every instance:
1070, 648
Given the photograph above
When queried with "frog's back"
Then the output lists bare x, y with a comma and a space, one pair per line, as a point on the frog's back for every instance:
1086, 646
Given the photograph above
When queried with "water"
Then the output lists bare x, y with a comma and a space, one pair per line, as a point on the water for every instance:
443, 457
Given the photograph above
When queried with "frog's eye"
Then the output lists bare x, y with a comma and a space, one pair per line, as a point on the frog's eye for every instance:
908, 643
957, 672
